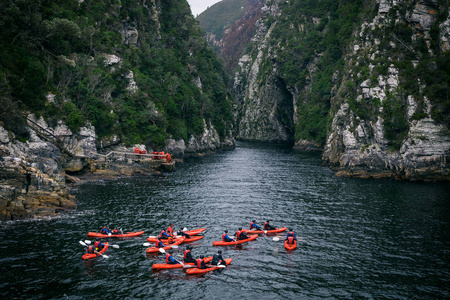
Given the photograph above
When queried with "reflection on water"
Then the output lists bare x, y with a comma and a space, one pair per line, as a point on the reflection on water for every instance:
362, 238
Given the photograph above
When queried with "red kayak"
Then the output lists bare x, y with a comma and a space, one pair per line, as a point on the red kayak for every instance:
186, 240
222, 243
203, 271
290, 246
93, 255
265, 231
177, 266
126, 234
156, 249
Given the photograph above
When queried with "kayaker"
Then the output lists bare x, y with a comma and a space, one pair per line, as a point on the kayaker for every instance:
163, 234
267, 226
201, 262
253, 225
218, 259
170, 229
226, 238
91, 249
182, 233
170, 259
98, 245
240, 235
159, 243
116, 231
170, 240
105, 230
188, 255
291, 233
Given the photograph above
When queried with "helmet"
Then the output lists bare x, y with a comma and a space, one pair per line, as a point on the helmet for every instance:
226, 231
290, 229
253, 221
201, 256
240, 228
97, 239
189, 247
170, 250
268, 221
220, 251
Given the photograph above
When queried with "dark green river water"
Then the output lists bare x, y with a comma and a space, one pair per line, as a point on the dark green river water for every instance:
363, 239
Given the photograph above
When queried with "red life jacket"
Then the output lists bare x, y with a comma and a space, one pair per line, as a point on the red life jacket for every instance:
223, 237
199, 263
169, 230
291, 233
167, 258
251, 224
90, 249
291, 239
115, 231
186, 252
238, 234
266, 225
96, 244
162, 231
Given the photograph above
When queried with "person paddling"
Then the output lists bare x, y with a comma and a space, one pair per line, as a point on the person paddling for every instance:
200, 262
182, 233
170, 259
164, 234
98, 245
218, 259
170, 229
240, 235
291, 234
105, 230
91, 249
267, 226
188, 255
159, 243
226, 238
253, 225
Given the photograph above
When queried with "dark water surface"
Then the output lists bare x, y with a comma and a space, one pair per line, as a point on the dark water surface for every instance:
364, 239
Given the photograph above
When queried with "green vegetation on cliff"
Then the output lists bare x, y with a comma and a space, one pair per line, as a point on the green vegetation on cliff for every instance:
62, 47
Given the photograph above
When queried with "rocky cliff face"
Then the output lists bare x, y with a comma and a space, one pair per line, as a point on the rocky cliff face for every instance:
365, 81
265, 105
385, 124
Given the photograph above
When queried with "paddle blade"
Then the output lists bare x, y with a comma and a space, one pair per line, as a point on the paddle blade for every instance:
221, 266
105, 256
83, 243
152, 237
146, 244
188, 266
174, 246
184, 229
265, 231
276, 239
162, 250
87, 242
115, 246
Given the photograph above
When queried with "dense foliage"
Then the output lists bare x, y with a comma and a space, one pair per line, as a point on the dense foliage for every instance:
61, 47
217, 18
317, 33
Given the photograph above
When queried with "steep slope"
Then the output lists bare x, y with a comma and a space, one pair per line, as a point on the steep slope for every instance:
365, 80
77, 77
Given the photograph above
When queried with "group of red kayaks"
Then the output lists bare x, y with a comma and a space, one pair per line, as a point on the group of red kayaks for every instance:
177, 240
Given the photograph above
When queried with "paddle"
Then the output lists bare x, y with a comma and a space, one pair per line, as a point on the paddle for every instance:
148, 245
84, 244
301, 239
164, 252
114, 246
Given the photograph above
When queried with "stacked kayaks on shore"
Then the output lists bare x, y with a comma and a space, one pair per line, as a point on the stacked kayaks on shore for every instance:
290, 246
265, 231
194, 271
93, 255
126, 234
178, 266
222, 243
156, 249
